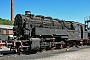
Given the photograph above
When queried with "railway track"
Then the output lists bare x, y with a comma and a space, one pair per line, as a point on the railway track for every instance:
45, 53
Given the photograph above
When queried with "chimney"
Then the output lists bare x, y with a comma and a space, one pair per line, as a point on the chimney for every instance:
12, 10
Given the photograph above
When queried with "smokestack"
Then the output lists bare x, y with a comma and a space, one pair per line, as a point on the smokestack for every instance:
12, 10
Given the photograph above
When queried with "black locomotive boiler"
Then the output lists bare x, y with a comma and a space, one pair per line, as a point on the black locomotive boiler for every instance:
37, 32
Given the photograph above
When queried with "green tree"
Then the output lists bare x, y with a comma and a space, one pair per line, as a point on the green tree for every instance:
6, 22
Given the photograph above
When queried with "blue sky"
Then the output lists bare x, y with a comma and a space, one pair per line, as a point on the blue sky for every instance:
74, 10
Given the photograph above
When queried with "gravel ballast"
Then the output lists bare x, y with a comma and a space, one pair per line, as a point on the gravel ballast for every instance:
78, 54
83, 54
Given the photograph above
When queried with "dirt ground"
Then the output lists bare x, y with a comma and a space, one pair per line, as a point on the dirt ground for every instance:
82, 53
77, 55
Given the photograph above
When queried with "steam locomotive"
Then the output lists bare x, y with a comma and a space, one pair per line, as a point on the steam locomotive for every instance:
37, 32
